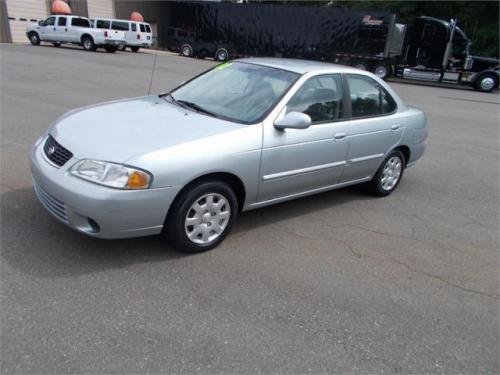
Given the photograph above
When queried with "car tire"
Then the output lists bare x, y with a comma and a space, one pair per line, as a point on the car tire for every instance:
221, 54
57, 44
486, 82
88, 43
134, 48
34, 38
122, 47
382, 70
186, 50
110, 49
388, 175
194, 224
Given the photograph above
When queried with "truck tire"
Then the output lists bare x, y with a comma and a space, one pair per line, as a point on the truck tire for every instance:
134, 48
486, 82
382, 70
186, 50
88, 43
122, 47
34, 38
221, 54
56, 44
110, 49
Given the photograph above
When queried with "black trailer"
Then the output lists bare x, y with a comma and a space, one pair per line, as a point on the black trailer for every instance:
428, 49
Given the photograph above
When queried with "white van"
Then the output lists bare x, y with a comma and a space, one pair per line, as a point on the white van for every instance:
137, 34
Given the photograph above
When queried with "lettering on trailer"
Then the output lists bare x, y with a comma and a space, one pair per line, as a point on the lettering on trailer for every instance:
368, 20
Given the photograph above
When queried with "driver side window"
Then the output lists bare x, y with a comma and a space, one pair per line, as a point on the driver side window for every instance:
320, 98
51, 21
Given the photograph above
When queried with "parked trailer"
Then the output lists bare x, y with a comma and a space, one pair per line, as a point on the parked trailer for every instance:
427, 49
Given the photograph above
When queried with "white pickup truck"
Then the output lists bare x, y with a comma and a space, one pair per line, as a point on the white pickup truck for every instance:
75, 30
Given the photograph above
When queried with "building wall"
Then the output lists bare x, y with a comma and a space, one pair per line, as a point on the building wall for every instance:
101, 8
23, 12
5, 36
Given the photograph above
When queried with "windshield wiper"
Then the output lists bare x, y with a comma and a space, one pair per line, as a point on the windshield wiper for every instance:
170, 97
195, 106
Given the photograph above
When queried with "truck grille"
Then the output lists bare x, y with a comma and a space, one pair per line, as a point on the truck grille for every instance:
53, 205
56, 153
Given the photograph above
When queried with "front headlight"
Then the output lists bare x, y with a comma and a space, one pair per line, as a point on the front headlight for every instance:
111, 174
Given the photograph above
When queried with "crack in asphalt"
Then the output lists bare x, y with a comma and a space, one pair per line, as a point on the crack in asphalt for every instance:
392, 260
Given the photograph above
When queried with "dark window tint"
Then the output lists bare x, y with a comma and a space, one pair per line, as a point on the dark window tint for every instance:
388, 103
101, 24
116, 25
80, 22
320, 98
51, 21
143, 29
148, 29
61, 21
134, 27
365, 96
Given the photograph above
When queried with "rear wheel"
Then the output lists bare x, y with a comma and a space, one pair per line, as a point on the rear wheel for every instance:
186, 50
486, 82
88, 43
122, 47
388, 175
110, 49
221, 54
382, 70
57, 44
134, 48
201, 217
34, 38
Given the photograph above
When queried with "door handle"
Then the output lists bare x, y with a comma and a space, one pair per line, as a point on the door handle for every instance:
394, 127
339, 135
54, 29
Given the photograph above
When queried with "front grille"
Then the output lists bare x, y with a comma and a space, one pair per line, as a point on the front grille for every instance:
56, 153
53, 205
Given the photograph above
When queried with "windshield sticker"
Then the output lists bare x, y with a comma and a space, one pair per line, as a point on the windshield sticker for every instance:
224, 66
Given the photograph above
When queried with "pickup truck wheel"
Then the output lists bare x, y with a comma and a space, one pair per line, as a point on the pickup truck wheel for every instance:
56, 44
134, 48
122, 47
388, 175
221, 54
486, 82
34, 38
186, 50
110, 49
201, 216
88, 43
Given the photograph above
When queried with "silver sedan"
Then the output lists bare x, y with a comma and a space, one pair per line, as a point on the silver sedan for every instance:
243, 135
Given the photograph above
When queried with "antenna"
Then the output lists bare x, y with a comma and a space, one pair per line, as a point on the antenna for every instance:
153, 71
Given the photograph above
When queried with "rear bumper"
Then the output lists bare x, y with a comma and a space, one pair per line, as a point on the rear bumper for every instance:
113, 42
113, 213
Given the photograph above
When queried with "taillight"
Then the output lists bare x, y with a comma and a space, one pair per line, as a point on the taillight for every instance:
138, 36
106, 33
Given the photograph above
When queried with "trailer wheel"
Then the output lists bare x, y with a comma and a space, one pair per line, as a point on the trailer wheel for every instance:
486, 82
186, 50
382, 70
221, 54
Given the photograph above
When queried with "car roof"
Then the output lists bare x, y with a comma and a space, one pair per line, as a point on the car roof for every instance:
117, 19
298, 65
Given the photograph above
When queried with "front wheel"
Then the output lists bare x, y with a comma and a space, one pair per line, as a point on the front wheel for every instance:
122, 47
56, 44
110, 49
486, 82
221, 54
34, 38
388, 175
382, 70
201, 217
186, 50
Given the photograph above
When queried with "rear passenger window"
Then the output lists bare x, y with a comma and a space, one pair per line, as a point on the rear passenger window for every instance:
134, 27
143, 29
320, 98
117, 25
100, 24
368, 98
80, 22
61, 21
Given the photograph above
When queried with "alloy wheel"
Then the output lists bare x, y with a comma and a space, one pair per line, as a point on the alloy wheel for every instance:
391, 173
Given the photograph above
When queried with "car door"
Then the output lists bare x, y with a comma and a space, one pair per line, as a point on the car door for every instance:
48, 29
300, 160
61, 29
132, 34
374, 127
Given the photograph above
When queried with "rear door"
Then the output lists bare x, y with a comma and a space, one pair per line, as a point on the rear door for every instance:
374, 128
61, 32
119, 30
77, 26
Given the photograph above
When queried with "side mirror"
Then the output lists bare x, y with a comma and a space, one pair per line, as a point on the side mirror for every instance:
293, 120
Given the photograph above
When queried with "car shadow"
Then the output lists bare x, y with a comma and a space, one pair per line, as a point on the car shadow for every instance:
74, 47
35, 243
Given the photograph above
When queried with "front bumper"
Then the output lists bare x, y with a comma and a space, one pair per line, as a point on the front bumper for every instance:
97, 210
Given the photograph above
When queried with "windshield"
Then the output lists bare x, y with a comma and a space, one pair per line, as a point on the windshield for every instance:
237, 91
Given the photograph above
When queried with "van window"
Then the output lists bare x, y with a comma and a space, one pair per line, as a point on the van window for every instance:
61, 21
117, 25
143, 29
134, 27
80, 22
101, 24
148, 29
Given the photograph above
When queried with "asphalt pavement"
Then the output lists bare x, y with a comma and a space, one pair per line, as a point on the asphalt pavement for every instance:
338, 282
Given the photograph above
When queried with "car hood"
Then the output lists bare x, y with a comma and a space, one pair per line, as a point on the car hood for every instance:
120, 130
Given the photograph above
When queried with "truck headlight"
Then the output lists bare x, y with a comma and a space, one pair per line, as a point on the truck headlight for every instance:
114, 175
